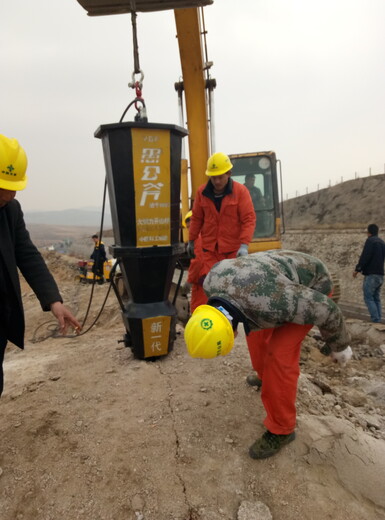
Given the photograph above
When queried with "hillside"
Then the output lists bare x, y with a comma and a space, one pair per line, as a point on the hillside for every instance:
351, 204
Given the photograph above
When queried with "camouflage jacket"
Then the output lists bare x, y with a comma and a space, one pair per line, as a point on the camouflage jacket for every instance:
276, 287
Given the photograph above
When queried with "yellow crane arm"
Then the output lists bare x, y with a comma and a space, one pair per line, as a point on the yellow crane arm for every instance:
189, 35
191, 58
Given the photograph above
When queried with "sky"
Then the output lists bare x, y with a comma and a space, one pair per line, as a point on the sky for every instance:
303, 78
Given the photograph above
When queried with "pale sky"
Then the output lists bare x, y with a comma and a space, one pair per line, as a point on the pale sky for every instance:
303, 78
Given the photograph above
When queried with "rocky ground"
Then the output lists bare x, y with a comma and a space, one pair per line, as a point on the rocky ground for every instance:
89, 432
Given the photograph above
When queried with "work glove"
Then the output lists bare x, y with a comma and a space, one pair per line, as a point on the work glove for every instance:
243, 250
342, 357
190, 249
185, 289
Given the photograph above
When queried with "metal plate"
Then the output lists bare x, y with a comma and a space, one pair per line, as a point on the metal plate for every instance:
106, 7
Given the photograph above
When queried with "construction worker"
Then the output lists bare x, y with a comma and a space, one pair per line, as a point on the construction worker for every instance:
99, 256
278, 296
223, 214
195, 275
18, 251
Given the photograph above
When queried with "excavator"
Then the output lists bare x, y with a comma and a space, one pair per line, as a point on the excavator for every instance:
152, 185
197, 88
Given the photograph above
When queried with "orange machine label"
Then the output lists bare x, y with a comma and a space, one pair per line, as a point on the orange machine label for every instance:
156, 332
151, 158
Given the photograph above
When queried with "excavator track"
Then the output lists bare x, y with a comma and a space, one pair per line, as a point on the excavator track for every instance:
336, 296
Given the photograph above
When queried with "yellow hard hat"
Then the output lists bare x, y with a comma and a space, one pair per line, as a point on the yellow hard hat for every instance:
208, 333
186, 217
218, 164
13, 165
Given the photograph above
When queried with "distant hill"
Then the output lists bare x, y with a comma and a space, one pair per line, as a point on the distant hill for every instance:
69, 217
351, 204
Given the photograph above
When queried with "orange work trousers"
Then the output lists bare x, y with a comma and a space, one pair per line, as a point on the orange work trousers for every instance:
275, 355
210, 258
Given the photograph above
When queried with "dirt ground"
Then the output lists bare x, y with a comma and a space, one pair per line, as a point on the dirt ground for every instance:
89, 432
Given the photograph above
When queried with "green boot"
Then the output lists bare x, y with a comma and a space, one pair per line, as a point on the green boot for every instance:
269, 444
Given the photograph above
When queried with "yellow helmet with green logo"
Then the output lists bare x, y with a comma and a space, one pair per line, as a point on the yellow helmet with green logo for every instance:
218, 164
13, 165
208, 333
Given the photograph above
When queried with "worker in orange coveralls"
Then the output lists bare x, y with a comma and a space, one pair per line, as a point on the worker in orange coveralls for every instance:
195, 276
278, 296
223, 214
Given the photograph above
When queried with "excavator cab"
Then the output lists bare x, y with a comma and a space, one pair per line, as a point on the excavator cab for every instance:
258, 172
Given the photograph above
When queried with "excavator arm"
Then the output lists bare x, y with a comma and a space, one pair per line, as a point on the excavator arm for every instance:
262, 166
194, 85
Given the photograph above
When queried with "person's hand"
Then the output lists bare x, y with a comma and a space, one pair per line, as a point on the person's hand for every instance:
243, 250
355, 273
65, 318
342, 357
190, 249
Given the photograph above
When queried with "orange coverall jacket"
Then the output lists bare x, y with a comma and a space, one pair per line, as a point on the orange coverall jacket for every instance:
227, 229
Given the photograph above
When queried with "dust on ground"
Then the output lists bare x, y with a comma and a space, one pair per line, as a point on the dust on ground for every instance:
89, 432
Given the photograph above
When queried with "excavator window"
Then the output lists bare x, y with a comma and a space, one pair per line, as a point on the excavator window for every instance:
257, 173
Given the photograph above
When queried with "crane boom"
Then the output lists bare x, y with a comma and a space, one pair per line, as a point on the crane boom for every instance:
191, 58
262, 166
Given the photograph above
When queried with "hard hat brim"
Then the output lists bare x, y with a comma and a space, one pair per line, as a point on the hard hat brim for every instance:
14, 185
220, 172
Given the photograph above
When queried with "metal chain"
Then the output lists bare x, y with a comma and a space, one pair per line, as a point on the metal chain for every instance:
135, 42
137, 84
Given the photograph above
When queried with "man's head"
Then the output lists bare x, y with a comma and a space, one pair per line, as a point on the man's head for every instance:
208, 333
249, 180
13, 165
95, 238
219, 169
373, 229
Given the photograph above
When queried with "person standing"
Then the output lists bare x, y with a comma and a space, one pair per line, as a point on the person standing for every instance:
223, 214
278, 296
255, 193
18, 251
99, 256
371, 265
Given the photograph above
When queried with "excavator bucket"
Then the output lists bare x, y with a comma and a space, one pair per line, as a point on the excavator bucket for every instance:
105, 7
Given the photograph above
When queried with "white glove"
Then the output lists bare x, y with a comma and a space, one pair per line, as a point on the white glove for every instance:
342, 357
190, 249
243, 250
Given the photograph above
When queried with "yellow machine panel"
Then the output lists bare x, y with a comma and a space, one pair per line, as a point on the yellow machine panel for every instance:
156, 333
